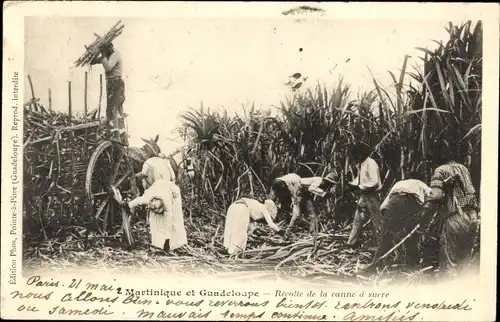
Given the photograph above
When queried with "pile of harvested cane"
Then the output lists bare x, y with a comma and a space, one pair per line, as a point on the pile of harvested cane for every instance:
55, 164
92, 50
268, 255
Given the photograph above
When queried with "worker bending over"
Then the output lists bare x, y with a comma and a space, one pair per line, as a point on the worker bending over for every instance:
302, 194
240, 221
165, 215
402, 210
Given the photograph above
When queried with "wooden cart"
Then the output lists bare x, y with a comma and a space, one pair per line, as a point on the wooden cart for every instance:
81, 163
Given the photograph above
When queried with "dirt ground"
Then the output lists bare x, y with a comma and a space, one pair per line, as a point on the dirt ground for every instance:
267, 256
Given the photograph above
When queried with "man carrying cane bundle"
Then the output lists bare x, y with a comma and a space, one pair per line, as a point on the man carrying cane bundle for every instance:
111, 60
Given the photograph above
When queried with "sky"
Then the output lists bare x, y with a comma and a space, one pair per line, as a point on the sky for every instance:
172, 64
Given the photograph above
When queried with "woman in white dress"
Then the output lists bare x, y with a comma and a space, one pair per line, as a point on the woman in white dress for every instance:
239, 223
166, 221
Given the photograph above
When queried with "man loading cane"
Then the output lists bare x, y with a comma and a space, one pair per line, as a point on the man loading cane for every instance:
111, 60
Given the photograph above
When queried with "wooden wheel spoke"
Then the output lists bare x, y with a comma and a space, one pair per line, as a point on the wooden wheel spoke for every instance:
107, 215
125, 175
108, 165
117, 166
101, 208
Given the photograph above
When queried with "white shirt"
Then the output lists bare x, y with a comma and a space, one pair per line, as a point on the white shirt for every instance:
258, 211
313, 183
368, 175
292, 181
411, 186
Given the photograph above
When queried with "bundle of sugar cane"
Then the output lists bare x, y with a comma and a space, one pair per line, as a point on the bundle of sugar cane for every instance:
92, 51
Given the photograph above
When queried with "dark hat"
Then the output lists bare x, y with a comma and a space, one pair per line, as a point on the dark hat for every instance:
361, 150
105, 44
443, 152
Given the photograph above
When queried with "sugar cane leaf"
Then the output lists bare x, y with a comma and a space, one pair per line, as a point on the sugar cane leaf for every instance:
442, 83
472, 131
295, 255
425, 50
393, 77
463, 87
428, 109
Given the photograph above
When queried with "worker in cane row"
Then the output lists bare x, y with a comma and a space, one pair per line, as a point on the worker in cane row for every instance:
301, 193
240, 221
163, 200
407, 206
454, 197
156, 168
165, 215
368, 184
287, 190
411, 202
402, 211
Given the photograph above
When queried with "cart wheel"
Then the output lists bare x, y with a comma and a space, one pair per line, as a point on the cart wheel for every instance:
109, 166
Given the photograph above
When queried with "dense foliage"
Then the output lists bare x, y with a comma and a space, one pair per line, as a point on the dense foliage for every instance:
439, 111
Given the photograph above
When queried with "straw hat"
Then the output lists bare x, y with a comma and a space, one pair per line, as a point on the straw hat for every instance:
331, 177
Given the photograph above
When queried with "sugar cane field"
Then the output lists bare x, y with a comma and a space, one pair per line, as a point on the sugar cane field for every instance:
436, 105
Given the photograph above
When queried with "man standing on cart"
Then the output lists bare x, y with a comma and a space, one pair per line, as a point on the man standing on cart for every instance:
111, 60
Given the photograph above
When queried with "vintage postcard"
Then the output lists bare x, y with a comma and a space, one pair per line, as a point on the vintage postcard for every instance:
249, 161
